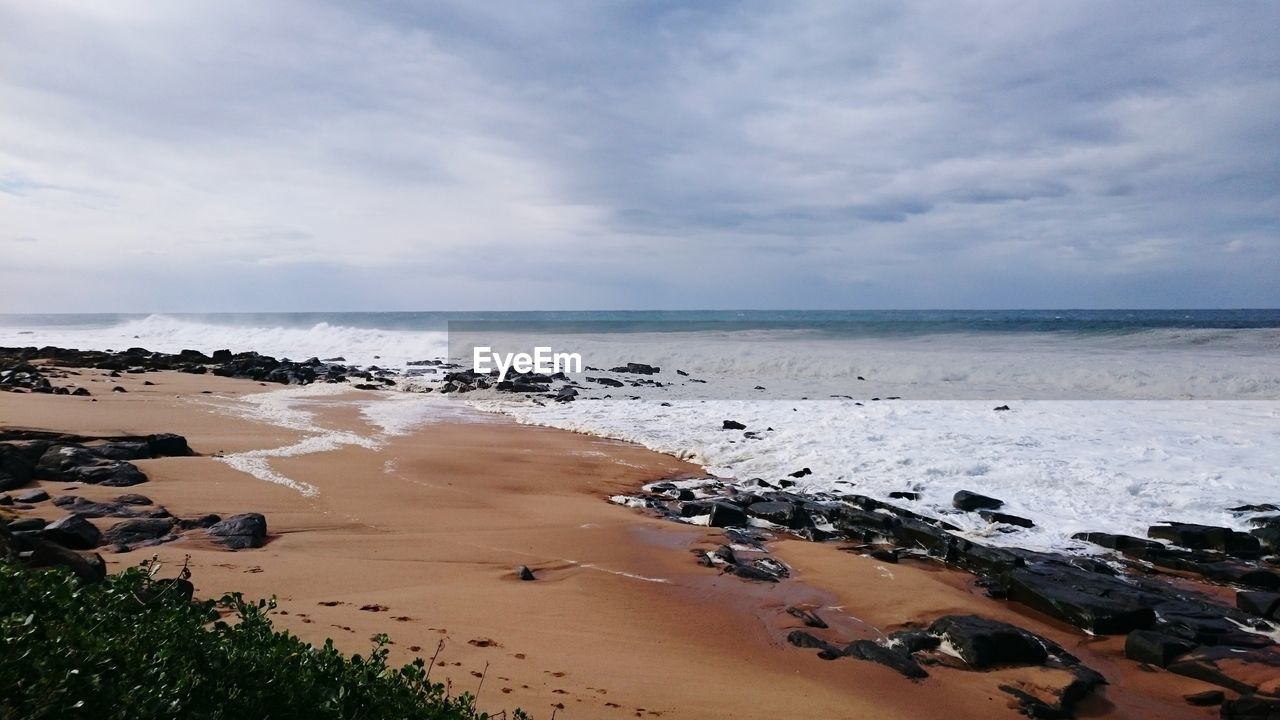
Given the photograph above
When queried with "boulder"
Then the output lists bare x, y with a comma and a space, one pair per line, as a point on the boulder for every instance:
1127, 544
781, 513
27, 524
1207, 537
248, 530
998, 517
1155, 648
139, 531
725, 515
32, 496
802, 639
133, 499
199, 521
72, 531
16, 467
984, 643
1091, 601
89, 567
1251, 707
636, 368
970, 501
897, 658
1260, 603
524, 573
733, 425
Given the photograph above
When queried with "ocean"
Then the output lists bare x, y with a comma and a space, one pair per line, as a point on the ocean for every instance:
1118, 418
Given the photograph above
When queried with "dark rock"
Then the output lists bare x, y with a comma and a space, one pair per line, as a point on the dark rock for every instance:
1208, 698
89, 509
81, 392
636, 368
16, 467
201, 521
726, 515
524, 573
607, 382
1268, 536
1124, 543
1000, 408
120, 474
1231, 668
984, 643
133, 499
1207, 537
1056, 701
118, 389
168, 587
32, 496
998, 517
88, 567
808, 617
142, 530
896, 658
5, 499
970, 501
884, 555
800, 473
904, 495
1155, 648
781, 513
1260, 603
1251, 707
1091, 601
752, 572
802, 639
168, 445
248, 530
733, 425
72, 531
27, 524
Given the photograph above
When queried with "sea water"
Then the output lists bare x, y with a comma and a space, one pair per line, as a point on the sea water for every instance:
1118, 419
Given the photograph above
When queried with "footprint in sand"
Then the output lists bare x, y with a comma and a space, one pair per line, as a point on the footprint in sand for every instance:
506, 691
482, 642
519, 656
402, 618
374, 607
415, 648
330, 603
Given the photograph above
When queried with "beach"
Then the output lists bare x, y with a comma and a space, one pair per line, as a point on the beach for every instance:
414, 525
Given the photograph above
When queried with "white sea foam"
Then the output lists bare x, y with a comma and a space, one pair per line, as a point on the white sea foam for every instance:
1190, 423
163, 333
1115, 466
393, 414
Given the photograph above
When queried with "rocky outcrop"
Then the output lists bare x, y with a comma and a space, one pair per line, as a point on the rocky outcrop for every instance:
238, 532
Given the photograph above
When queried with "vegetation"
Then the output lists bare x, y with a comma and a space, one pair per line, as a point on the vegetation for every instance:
133, 647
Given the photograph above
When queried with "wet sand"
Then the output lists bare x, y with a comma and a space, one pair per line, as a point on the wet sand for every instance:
418, 534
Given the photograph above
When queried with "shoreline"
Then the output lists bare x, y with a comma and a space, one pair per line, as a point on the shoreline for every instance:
354, 529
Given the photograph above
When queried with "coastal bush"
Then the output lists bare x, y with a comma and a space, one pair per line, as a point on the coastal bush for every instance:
133, 647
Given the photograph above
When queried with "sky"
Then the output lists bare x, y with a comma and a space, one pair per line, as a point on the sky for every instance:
237, 155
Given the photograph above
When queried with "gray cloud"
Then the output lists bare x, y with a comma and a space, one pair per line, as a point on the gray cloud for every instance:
237, 155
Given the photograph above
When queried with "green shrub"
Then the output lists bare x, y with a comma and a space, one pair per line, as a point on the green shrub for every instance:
130, 648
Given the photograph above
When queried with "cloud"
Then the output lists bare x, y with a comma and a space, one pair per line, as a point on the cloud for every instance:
810, 154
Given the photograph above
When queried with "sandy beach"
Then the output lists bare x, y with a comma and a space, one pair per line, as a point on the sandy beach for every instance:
418, 535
